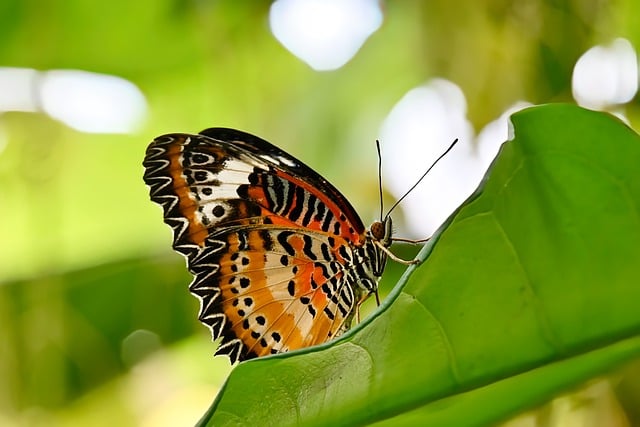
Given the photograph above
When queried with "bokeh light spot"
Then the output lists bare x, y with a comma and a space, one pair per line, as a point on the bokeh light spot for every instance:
606, 75
18, 89
91, 102
325, 34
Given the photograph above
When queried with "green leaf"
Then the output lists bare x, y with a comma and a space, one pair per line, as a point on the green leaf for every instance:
530, 288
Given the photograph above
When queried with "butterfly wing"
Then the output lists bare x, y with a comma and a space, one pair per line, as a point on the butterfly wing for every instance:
294, 190
263, 292
268, 240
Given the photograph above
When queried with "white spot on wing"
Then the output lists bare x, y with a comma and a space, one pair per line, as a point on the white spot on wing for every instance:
269, 158
306, 323
287, 161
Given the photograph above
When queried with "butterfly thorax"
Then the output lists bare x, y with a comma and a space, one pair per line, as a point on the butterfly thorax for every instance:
380, 234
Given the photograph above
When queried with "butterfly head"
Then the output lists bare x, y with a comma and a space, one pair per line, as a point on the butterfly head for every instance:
382, 231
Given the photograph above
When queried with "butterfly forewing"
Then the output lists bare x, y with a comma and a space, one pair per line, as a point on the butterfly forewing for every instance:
271, 244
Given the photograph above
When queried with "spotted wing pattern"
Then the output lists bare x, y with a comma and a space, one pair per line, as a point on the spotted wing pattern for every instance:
280, 258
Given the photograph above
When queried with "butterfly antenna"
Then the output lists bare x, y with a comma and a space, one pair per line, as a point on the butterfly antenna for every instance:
422, 177
380, 177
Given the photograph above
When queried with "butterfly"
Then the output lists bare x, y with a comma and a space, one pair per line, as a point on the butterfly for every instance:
280, 258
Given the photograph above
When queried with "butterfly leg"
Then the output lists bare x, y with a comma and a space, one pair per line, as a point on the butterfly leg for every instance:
395, 258
412, 241
363, 299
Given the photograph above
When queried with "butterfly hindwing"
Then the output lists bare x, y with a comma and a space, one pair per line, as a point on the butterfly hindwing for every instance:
274, 299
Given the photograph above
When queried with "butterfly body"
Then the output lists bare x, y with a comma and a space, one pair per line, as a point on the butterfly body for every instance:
280, 258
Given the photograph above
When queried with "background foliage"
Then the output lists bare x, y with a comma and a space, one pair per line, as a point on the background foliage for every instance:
95, 320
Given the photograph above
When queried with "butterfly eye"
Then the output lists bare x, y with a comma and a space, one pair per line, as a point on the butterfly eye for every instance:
378, 230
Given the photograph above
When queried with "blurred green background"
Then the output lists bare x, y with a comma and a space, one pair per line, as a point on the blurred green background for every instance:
97, 326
